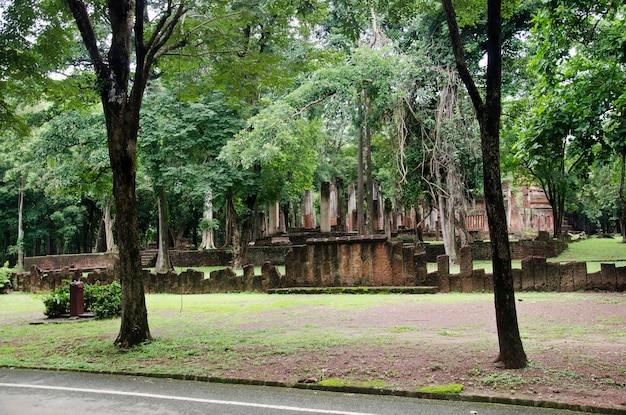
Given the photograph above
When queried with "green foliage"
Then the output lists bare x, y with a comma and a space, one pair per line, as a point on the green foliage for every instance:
105, 301
5, 274
57, 302
575, 120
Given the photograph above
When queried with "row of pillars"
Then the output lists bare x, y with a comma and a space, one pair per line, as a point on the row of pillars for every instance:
333, 210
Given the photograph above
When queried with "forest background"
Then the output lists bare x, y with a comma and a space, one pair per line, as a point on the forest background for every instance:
265, 99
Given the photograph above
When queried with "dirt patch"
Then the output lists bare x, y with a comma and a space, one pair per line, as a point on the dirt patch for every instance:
576, 349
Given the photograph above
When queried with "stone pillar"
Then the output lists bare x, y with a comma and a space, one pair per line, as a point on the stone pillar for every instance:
443, 271
282, 222
333, 206
325, 207
308, 216
388, 218
466, 259
379, 215
351, 208
274, 218
341, 205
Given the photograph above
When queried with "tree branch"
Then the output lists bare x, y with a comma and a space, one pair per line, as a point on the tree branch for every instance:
310, 104
79, 11
459, 56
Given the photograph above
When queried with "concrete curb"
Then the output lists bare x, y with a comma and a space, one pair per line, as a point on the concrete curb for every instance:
352, 389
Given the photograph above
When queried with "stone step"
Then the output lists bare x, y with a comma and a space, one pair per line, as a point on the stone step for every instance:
148, 257
355, 290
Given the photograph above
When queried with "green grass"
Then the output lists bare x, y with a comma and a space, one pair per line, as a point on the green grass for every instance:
254, 335
593, 250
445, 389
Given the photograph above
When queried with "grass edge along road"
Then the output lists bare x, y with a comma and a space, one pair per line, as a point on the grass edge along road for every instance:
349, 340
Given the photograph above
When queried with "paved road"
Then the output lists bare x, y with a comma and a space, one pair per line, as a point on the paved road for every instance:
29, 392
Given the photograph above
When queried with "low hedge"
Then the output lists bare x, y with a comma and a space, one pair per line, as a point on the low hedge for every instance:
105, 301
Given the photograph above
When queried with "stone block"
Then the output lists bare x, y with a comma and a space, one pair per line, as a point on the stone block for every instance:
466, 259
443, 264
479, 280
620, 276
420, 268
594, 281
274, 277
467, 281
553, 276
397, 264
443, 282
609, 277
579, 276
567, 276
528, 270
408, 266
517, 280
221, 280
455, 283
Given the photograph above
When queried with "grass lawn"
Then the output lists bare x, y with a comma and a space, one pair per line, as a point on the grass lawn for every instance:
593, 250
196, 334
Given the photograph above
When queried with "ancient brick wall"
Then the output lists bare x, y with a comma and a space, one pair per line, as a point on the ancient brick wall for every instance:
187, 282
537, 274
348, 261
82, 261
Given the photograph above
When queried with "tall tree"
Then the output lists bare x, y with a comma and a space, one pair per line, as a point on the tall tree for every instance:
488, 112
122, 75
577, 103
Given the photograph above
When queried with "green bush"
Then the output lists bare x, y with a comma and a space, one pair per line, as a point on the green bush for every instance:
105, 301
57, 302
5, 273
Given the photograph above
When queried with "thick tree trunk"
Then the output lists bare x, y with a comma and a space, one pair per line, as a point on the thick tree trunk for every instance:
163, 263
512, 353
121, 112
122, 151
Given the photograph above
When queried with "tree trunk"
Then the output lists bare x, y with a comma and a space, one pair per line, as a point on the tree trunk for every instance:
512, 353
622, 201
369, 180
109, 222
208, 241
231, 221
20, 226
122, 136
360, 199
121, 112
163, 263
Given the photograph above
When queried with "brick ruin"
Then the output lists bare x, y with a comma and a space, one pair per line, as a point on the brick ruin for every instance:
346, 261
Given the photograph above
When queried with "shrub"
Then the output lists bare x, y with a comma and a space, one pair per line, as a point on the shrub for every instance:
105, 301
5, 274
57, 302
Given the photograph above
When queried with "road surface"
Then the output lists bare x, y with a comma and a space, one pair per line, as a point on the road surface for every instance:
29, 392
